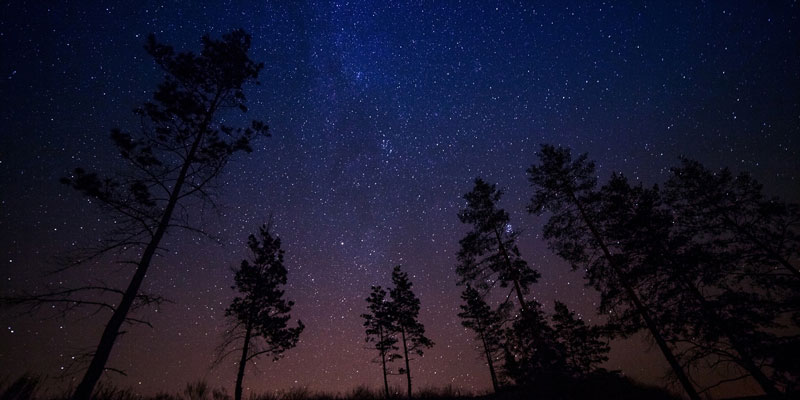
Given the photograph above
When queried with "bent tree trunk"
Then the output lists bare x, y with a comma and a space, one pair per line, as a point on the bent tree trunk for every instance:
405, 353
111, 331
746, 360
383, 362
517, 288
636, 302
98, 364
242, 363
491, 363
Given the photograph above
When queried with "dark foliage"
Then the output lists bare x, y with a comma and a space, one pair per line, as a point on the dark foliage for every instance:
487, 324
405, 311
685, 284
23, 388
585, 346
173, 157
705, 265
733, 276
538, 351
260, 315
380, 326
488, 254
580, 232
733, 210
533, 355
596, 386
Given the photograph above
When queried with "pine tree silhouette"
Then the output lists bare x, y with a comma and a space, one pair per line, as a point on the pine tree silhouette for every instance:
566, 188
380, 328
487, 324
181, 146
405, 312
489, 252
259, 316
583, 344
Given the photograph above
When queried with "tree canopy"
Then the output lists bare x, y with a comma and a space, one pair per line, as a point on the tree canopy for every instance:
259, 315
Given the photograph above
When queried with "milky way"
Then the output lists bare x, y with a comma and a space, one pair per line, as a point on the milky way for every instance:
381, 117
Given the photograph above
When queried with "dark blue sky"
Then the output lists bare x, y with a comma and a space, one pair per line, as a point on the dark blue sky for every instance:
381, 117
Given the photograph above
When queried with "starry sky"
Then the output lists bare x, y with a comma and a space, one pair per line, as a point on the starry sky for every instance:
382, 114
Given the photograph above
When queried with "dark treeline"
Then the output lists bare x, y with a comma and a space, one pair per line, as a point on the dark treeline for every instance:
521, 342
705, 264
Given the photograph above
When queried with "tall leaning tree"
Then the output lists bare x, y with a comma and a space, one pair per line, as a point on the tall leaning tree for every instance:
566, 189
259, 316
167, 164
694, 288
405, 311
734, 246
488, 254
487, 324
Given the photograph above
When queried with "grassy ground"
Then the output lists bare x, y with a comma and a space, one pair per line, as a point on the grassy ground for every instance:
29, 387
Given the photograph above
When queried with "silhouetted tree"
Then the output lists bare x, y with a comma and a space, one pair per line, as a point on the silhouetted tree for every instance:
487, 324
583, 344
688, 284
567, 189
764, 230
489, 252
181, 146
731, 217
534, 357
734, 249
405, 312
259, 316
380, 330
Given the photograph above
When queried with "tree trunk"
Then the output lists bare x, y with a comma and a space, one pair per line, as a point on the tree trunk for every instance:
237, 394
491, 363
785, 263
633, 298
758, 375
517, 287
408, 369
383, 362
111, 331
745, 357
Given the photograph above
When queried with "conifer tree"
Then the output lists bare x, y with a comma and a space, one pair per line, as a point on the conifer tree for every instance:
380, 329
533, 355
694, 288
566, 188
765, 231
487, 324
693, 285
728, 291
405, 312
488, 254
259, 315
583, 344
182, 145
751, 244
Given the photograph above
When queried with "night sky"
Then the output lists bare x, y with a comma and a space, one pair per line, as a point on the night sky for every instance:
381, 117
